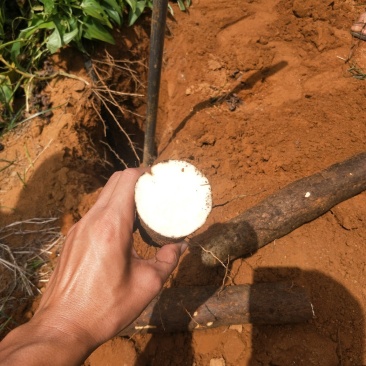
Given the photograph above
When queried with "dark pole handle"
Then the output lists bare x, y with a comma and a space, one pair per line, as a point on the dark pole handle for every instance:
158, 22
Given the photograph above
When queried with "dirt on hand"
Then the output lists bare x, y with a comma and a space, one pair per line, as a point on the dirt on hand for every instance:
256, 95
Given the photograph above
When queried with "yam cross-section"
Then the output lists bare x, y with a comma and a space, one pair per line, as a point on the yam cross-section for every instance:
172, 201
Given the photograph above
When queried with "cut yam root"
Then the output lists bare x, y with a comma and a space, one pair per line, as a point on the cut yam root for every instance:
282, 212
205, 307
172, 201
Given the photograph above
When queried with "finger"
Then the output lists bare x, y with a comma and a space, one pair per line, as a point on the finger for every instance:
121, 203
167, 258
108, 189
123, 192
117, 197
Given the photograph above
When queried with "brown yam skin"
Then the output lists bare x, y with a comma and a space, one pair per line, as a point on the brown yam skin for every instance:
282, 212
185, 309
151, 237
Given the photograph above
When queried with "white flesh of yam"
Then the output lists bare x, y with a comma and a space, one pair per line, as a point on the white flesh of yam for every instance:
173, 200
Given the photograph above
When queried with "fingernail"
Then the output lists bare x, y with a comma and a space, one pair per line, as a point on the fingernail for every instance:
183, 247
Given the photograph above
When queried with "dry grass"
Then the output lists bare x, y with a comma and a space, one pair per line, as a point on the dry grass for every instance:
356, 71
25, 248
356, 53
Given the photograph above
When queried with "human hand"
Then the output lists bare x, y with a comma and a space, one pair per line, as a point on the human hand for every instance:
100, 285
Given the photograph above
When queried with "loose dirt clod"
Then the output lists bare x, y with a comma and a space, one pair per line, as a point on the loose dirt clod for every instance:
173, 200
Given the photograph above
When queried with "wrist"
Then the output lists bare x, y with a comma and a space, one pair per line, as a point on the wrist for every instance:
39, 342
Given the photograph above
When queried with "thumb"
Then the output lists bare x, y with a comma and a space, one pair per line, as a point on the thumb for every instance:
167, 258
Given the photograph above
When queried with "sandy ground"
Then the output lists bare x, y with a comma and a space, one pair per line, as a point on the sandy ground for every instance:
256, 94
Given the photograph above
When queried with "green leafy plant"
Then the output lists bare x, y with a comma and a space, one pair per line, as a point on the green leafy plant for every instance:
30, 30
52, 24
184, 4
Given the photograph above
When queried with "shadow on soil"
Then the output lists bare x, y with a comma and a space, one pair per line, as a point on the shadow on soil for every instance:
333, 337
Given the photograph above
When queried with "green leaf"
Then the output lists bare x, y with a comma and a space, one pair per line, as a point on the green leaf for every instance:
113, 14
68, 37
37, 8
97, 31
75, 26
132, 4
54, 42
27, 32
48, 6
38, 24
94, 9
181, 5
114, 5
134, 15
26, 35
46, 25
6, 92
171, 9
